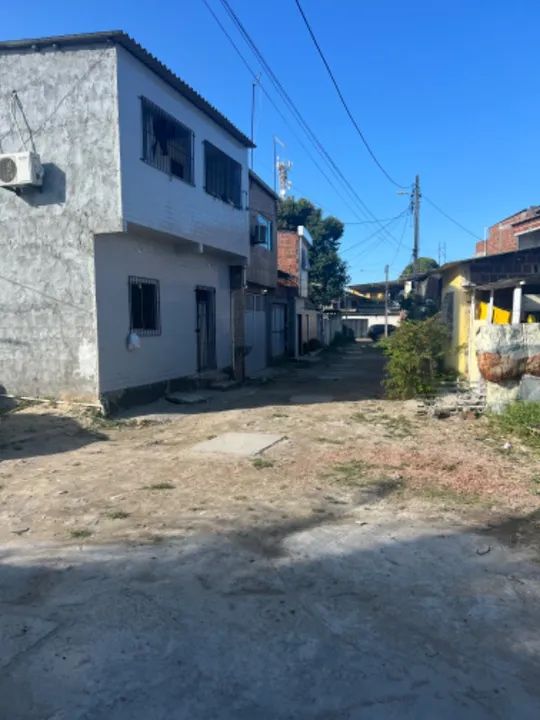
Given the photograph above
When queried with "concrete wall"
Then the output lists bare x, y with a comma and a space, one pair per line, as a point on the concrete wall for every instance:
173, 353
262, 267
456, 312
509, 361
47, 302
152, 198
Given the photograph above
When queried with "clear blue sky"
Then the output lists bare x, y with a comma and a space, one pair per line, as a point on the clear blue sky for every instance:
449, 90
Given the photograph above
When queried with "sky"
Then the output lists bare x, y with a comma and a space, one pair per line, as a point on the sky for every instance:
446, 90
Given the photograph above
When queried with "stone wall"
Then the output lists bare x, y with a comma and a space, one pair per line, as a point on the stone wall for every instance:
509, 361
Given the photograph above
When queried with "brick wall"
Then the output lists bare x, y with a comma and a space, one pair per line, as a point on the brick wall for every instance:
502, 236
287, 241
516, 265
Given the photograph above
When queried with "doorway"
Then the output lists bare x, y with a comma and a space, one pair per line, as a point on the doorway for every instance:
206, 328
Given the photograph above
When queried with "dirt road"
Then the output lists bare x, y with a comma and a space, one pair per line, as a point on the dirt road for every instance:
371, 564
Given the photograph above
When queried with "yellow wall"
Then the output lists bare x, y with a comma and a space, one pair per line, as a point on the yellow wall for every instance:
452, 285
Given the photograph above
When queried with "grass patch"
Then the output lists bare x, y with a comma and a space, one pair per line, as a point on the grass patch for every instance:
330, 441
160, 486
444, 494
360, 417
81, 533
261, 463
520, 419
351, 473
118, 515
279, 415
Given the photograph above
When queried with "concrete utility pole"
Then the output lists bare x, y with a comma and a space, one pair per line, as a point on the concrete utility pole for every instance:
416, 210
386, 268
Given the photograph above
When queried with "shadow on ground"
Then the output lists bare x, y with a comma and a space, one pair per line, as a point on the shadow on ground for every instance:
350, 374
345, 621
25, 435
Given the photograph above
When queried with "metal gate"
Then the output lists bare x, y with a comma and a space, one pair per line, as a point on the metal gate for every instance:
255, 333
279, 330
206, 328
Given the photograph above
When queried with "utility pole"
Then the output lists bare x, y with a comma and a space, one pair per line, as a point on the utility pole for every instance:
416, 209
386, 268
252, 137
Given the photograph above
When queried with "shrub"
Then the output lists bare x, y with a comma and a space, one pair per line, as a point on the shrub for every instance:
521, 419
415, 354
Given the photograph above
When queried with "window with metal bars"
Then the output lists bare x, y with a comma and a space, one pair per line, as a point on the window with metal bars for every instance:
223, 175
144, 306
167, 143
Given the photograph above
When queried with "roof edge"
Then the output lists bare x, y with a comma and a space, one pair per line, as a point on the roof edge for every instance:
119, 37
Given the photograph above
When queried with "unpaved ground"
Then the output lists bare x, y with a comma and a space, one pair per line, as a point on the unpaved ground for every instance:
373, 564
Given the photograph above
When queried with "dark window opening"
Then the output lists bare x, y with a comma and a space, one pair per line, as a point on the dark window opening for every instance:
167, 144
223, 175
144, 306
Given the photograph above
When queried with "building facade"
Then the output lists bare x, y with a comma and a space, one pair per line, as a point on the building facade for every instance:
121, 271
261, 276
516, 232
293, 273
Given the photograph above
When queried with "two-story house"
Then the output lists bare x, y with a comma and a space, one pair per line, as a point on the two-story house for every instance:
261, 275
293, 269
122, 270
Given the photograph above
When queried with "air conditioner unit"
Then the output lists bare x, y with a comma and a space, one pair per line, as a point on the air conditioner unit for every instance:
18, 170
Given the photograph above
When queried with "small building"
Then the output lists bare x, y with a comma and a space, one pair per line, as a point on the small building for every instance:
293, 267
363, 305
120, 274
516, 232
264, 311
492, 307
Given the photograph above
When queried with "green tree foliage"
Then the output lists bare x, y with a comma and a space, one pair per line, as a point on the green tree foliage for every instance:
423, 264
415, 354
328, 274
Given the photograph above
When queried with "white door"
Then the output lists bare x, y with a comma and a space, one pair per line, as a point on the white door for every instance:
255, 333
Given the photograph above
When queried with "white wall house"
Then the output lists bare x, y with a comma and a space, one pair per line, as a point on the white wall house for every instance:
140, 228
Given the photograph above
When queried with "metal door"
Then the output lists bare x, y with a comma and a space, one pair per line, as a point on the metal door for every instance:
255, 333
206, 328
279, 330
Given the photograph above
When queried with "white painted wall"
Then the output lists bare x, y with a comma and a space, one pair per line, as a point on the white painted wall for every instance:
172, 354
153, 199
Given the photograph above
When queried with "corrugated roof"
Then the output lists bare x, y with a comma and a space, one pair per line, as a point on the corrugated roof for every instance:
118, 37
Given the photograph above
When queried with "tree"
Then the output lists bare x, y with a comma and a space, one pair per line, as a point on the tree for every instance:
328, 274
423, 264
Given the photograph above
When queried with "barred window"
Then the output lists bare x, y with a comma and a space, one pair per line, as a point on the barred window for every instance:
223, 175
167, 144
144, 306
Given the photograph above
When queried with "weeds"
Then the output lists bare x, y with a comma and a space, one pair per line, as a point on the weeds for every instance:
118, 515
351, 473
81, 533
330, 441
521, 419
261, 463
160, 486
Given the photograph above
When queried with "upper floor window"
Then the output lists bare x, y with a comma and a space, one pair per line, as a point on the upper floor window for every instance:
262, 233
167, 144
223, 175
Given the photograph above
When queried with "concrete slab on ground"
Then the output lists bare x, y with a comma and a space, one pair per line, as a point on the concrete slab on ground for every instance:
239, 444
309, 399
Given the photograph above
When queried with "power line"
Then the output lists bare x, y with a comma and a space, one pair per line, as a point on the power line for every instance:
294, 110
448, 217
276, 108
376, 232
407, 222
342, 98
